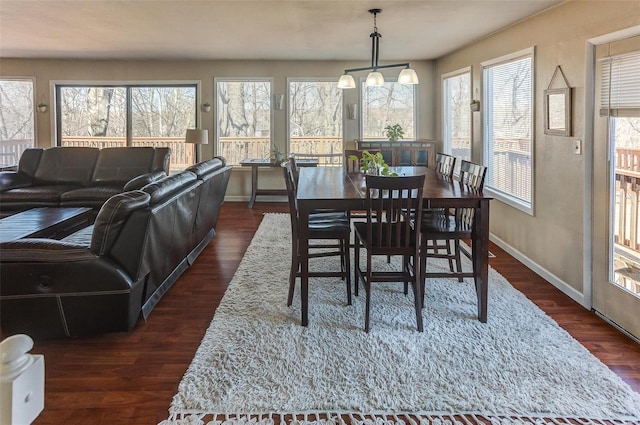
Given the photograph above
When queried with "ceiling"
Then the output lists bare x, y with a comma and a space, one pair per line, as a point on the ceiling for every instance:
250, 29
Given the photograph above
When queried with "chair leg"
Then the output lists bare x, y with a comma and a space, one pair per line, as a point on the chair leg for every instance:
449, 256
423, 268
418, 295
346, 256
295, 265
367, 288
356, 266
458, 262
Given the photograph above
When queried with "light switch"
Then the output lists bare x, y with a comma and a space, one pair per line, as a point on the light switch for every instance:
577, 146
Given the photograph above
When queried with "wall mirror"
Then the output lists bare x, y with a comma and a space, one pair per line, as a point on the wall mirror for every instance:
557, 111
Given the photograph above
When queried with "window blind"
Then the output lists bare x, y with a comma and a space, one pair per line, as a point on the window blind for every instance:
508, 128
620, 85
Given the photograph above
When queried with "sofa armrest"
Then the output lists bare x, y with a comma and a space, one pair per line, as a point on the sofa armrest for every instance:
43, 251
14, 180
143, 180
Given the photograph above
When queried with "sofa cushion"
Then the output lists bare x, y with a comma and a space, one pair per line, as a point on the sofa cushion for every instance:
161, 160
66, 165
92, 197
112, 216
116, 166
167, 186
203, 168
143, 180
29, 161
49, 194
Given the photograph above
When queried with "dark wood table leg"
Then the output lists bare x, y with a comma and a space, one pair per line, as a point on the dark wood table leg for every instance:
303, 246
254, 185
480, 255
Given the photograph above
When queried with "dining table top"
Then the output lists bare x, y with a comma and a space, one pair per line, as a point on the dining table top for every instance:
334, 183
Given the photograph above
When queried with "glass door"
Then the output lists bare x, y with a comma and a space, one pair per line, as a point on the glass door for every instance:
616, 219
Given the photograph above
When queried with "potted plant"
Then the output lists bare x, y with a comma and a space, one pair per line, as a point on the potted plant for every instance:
394, 132
475, 105
373, 163
277, 155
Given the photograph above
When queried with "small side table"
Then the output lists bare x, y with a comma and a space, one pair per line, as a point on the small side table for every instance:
255, 163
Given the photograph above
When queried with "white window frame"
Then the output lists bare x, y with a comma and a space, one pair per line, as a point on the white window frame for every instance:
527, 207
216, 80
361, 89
34, 102
446, 131
310, 80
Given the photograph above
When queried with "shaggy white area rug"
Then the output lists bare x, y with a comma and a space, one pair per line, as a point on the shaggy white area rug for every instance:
256, 359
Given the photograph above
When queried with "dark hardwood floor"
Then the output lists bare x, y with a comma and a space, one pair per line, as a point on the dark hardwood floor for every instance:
130, 378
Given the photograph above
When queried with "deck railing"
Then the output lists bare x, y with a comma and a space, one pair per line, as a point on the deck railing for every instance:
327, 149
182, 154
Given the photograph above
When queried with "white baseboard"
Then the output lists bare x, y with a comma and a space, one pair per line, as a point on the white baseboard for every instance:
541, 271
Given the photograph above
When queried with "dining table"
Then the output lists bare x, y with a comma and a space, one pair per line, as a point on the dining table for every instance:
335, 188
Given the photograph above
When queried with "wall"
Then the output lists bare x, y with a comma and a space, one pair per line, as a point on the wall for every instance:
205, 71
551, 241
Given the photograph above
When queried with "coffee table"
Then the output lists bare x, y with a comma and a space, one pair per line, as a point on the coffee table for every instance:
47, 222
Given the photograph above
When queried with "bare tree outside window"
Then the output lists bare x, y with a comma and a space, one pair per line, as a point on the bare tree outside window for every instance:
315, 119
392, 103
96, 116
243, 119
17, 123
457, 116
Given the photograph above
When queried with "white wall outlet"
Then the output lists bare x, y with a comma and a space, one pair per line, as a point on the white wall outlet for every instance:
577, 147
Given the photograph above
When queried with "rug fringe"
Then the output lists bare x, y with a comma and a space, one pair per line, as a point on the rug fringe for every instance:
336, 418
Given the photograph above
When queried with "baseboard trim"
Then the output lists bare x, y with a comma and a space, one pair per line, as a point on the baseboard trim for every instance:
541, 271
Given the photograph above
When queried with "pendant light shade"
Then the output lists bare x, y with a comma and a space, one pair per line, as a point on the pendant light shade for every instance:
375, 79
408, 76
346, 81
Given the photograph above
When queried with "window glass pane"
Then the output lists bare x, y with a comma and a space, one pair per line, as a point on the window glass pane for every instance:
244, 119
93, 116
160, 117
508, 128
392, 103
457, 116
96, 116
315, 120
17, 125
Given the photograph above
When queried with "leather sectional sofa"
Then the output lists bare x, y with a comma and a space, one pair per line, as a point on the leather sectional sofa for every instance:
105, 277
79, 176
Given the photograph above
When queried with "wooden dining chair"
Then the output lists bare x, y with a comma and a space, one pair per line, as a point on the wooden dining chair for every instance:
322, 226
451, 228
445, 164
391, 202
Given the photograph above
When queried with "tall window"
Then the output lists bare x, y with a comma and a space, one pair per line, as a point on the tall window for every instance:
508, 130
97, 116
243, 119
17, 122
392, 103
456, 115
315, 119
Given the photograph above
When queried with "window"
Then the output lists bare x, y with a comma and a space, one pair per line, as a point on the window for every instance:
96, 115
17, 123
508, 130
392, 103
315, 120
456, 115
243, 119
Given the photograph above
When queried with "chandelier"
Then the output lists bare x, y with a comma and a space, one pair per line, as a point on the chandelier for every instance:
375, 78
